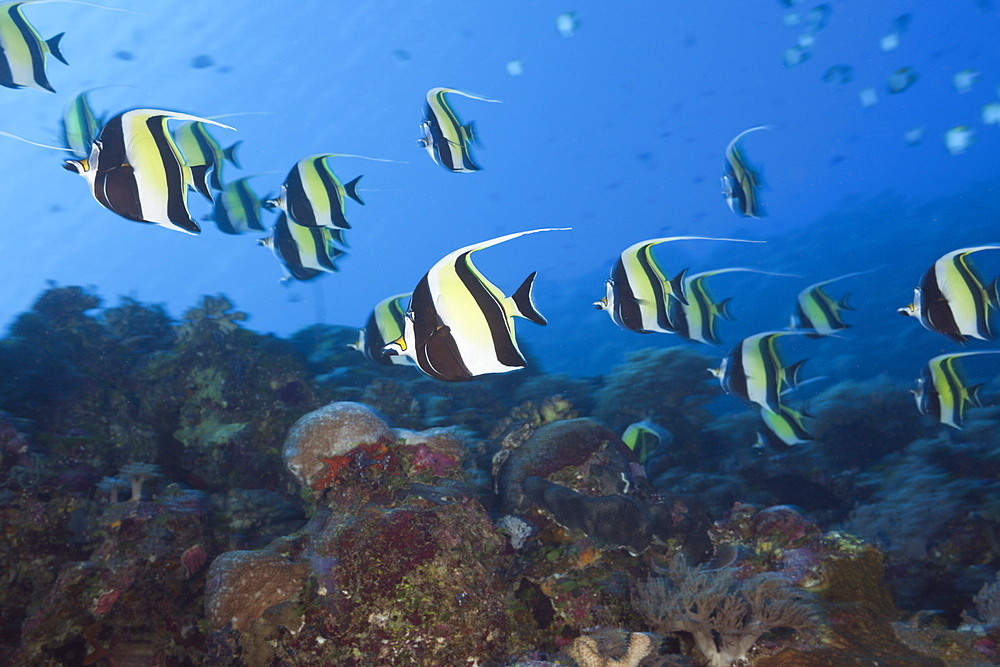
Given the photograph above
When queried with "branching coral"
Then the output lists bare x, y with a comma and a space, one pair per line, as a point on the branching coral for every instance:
214, 313
723, 614
588, 652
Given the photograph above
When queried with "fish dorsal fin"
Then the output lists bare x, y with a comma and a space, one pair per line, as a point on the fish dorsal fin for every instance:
500, 239
746, 132
523, 303
434, 91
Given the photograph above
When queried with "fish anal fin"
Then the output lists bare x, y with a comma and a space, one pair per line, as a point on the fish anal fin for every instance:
199, 178
352, 190
523, 303
53, 44
677, 287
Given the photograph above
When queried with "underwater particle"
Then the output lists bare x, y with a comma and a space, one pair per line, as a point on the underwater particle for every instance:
868, 97
202, 61
567, 23
889, 42
515, 67
958, 138
402, 55
806, 40
901, 79
796, 55
991, 113
839, 75
791, 19
124, 55
788, 3
914, 135
901, 23
964, 80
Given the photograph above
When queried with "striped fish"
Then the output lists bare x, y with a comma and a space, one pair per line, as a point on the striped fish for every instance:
445, 138
740, 181
22, 50
816, 310
237, 208
385, 324
306, 252
943, 392
637, 293
754, 370
136, 170
202, 153
80, 126
459, 325
952, 298
783, 429
647, 439
697, 320
313, 196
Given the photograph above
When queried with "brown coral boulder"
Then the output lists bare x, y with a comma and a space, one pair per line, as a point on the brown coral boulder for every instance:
242, 585
330, 431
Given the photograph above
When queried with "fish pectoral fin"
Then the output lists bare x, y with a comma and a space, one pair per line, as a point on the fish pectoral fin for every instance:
53, 44
524, 305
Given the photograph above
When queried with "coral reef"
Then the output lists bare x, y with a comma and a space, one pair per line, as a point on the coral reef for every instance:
724, 615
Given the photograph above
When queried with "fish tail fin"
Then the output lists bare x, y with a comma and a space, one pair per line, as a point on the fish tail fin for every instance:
352, 190
523, 303
792, 373
469, 132
53, 45
806, 411
974, 398
844, 303
992, 293
722, 308
230, 154
677, 287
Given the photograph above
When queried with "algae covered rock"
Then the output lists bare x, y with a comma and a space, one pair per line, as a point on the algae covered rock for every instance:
331, 431
243, 584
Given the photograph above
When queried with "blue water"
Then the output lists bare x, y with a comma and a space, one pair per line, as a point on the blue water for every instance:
617, 131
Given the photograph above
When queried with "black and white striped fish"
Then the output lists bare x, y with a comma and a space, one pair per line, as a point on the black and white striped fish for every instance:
754, 370
136, 170
237, 208
818, 311
638, 291
783, 429
22, 51
697, 320
460, 325
447, 141
385, 324
306, 252
952, 298
741, 181
943, 392
313, 196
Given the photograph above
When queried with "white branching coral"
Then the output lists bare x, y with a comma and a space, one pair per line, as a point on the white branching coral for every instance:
516, 528
725, 615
